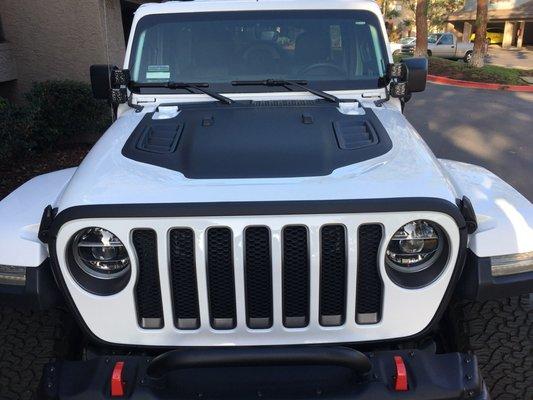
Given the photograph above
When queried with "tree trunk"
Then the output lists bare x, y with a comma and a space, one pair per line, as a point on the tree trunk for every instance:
480, 42
421, 48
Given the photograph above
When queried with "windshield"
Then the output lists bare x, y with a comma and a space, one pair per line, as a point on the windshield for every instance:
434, 38
406, 40
329, 49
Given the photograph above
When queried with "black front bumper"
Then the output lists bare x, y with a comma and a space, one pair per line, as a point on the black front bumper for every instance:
429, 377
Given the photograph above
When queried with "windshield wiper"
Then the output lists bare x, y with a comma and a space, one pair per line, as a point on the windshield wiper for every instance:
286, 84
201, 87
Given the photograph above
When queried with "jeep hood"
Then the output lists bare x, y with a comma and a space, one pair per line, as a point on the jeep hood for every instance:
257, 152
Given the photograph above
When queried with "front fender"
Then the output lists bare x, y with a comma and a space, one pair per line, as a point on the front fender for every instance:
20, 216
504, 216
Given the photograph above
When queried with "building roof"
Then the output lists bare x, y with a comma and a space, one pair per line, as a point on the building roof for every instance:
521, 12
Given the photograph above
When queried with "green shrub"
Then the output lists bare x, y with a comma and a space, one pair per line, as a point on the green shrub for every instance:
54, 111
62, 109
15, 130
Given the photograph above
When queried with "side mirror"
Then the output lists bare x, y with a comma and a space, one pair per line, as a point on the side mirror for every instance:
417, 74
109, 83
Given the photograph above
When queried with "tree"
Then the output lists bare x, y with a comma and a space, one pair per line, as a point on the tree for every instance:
421, 48
480, 42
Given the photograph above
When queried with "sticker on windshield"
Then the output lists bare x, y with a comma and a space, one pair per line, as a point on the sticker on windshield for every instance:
158, 72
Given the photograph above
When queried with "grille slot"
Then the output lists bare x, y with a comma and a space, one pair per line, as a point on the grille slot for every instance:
221, 278
333, 275
295, 276
183, 279
258, 270
147, 289
369, 284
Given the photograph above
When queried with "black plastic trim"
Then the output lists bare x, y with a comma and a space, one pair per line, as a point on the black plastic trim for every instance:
40, 291
477, 282
262, 208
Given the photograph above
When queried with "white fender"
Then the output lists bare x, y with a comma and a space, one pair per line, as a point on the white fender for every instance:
20, 217
504, 216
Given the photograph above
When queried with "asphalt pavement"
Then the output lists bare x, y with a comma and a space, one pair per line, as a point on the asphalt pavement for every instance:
490, 128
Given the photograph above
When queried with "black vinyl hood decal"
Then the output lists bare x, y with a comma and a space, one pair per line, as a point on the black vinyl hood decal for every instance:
257, 140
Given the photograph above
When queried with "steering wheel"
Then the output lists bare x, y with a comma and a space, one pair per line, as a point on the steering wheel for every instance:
323, 66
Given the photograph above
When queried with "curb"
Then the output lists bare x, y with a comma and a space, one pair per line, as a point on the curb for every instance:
479, 85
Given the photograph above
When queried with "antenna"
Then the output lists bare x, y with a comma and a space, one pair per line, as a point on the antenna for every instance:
106, 38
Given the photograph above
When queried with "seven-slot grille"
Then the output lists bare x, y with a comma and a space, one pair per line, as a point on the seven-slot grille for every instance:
258, 277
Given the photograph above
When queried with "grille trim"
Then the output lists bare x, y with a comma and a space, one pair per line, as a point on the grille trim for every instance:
121, 306
220, 267
333, 274
148, 286
258, 277
296, 276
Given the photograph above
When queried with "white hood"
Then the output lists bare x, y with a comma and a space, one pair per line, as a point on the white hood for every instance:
107, 177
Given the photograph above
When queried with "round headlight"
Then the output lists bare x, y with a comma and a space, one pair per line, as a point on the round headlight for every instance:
100, 253
415, 247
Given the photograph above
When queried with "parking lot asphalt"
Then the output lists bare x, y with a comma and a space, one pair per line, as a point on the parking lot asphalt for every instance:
490, 128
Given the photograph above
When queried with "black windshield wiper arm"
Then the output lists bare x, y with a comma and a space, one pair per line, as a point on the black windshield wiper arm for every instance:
287, 84
201, 87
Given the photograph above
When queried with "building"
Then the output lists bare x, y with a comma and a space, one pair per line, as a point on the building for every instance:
513, 17
59, 39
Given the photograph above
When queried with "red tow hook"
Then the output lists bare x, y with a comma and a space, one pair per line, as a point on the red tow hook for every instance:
117, 383
401, 375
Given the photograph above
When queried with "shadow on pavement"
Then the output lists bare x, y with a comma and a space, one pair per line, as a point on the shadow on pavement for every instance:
489, 128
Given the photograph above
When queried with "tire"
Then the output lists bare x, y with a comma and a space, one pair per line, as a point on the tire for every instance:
500, 333
468, 57
29, 340
430, 53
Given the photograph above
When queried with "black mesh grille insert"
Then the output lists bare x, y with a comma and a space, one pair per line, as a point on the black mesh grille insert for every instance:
220, 277
183, 279
295, 277
258, 269
332, 275
147, 289
369, 285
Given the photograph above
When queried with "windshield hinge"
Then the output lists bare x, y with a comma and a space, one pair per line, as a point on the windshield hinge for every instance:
467, 210
46, 223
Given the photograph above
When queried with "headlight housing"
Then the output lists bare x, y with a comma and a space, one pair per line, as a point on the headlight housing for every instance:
100, 253
99, 261
414, 247
417, 254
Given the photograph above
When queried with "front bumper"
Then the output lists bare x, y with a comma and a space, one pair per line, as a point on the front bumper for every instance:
429, 377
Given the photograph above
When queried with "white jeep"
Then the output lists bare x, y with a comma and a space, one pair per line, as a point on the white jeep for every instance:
261, 221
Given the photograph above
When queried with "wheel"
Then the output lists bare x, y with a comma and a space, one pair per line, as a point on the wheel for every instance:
29, 340
500, 333
430, 53
468, 57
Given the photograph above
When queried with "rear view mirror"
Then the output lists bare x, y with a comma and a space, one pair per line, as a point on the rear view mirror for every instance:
108, 83
417, 73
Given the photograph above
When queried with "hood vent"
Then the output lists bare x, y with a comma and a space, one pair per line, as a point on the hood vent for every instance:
161, 138
284, 103
355, 134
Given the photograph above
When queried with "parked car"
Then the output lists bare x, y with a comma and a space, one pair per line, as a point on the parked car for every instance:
396, 47
494, 36
444, 45
261, 221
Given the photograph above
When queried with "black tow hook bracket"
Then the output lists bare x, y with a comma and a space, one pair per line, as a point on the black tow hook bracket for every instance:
46, 223
467, 210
